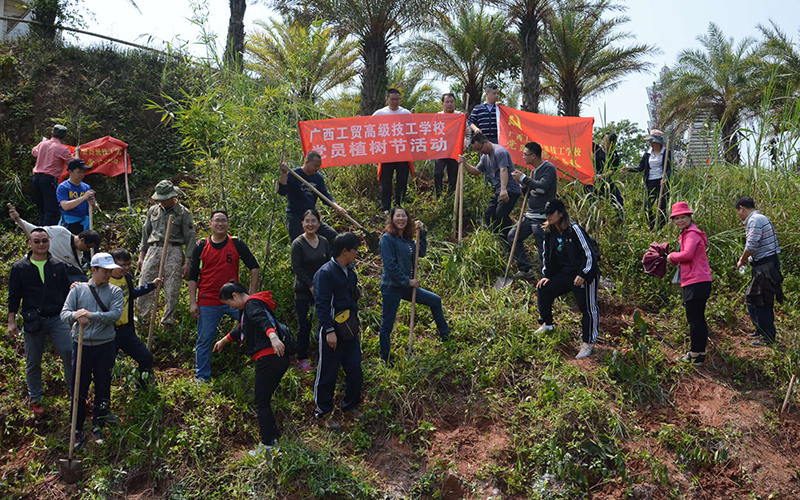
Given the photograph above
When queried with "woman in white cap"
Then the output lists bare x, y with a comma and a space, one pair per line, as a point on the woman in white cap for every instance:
656, 166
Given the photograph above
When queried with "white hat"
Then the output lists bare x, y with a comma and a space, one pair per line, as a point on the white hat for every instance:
104, 260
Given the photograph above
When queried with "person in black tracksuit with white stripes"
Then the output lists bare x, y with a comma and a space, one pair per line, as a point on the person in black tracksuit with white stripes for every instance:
569, 264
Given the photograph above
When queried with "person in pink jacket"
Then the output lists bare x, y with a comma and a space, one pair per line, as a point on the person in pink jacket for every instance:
695, 279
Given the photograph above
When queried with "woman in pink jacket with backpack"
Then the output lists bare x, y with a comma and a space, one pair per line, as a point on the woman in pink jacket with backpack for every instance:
695, 279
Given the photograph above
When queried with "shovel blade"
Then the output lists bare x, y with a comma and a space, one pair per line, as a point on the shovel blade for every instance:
373, 241
71, 470
503, 283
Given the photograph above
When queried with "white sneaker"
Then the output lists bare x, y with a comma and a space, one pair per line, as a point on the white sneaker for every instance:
261, 449
544, 328
586, 350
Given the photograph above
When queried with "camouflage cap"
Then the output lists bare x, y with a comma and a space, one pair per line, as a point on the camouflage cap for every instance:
165, 190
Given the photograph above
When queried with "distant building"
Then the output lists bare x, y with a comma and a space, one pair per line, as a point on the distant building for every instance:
701, 141
13, 29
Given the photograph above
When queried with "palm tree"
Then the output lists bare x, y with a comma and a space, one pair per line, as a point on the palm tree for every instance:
309, 57
719, 79
782, 51
582, 53
234, 46
376, 24
530, 18
472, 48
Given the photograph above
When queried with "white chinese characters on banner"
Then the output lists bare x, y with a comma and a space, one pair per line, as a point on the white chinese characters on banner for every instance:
394, 135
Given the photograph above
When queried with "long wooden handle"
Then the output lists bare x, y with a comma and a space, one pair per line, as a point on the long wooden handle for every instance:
461, 176
91, 225
663, 175
76, 391
516, 234
788, 397
158, 287
413, 295
324, 198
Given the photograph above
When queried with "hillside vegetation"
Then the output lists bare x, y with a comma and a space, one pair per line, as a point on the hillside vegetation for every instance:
499, 412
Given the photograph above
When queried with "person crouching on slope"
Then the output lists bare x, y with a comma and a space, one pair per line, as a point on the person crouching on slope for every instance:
258, 329
569, 263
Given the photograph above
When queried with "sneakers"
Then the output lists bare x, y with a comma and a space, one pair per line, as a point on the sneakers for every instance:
111, 418
544, 329
79, 440
328, 422
525, 275
261, 449
700, 359
97, 434
586, 350
353, 414
762, 342
37, 408
305, 365
755, 335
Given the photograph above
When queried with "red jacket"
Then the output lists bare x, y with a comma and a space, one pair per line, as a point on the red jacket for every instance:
692, 256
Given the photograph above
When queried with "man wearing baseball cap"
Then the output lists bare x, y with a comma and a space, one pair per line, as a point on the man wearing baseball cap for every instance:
74, 197
51, 156
175, 265
96, 305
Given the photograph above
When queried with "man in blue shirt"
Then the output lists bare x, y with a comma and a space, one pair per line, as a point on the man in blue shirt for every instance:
497, 166
300, 197
483, 119
74, 197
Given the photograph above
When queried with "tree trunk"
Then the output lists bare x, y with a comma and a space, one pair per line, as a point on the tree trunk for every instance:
474, 90
531, 63
729, 140
374, 79
234, 47
571, 101
47, 12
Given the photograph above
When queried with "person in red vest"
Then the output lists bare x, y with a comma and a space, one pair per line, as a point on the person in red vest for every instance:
215, 261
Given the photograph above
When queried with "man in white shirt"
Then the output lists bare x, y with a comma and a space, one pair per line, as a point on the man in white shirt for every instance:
386, 170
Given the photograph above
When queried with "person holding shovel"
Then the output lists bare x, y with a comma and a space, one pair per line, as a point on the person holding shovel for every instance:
41, 285
397, 282
570, 264
300, 197
543, 185
150, 249
310, 251
257, 327
695, 279
656, 167
97, 306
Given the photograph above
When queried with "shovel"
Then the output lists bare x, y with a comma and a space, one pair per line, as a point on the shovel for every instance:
372, 238
505, 280
72, 468
154, 312
413, 298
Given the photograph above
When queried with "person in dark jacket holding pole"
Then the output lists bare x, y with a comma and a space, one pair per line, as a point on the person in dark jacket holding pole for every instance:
336, 296
309, 252
656, 169
543, 185
397, 253
570, 264
41, 284
258, 329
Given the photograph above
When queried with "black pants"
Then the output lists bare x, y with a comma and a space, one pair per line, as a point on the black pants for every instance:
498, 214
761, 308
586, 296
348, 356
695, 297
269, 371
527, 228
653, 187
387, 173
303, 306
294, 225
128, 342
44, 195
439, 167
96, 364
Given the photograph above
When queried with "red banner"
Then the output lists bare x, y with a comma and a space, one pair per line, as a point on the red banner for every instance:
566, 141
385, 138
105, 155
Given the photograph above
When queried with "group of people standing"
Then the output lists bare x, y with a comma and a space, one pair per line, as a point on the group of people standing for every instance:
50, 289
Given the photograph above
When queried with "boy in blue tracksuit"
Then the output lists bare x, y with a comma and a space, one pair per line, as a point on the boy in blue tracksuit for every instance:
336, 291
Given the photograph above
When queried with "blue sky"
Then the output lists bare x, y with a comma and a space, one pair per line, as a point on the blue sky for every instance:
671, 26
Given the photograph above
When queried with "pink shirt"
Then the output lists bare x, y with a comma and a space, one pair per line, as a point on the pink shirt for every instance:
51, 157
692, 257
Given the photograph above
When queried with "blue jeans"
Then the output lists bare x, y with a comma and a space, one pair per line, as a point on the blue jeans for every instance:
61, 339
391, 302
207, 324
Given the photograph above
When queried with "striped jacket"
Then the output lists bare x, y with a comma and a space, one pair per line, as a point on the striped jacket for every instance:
762, 241
576, 244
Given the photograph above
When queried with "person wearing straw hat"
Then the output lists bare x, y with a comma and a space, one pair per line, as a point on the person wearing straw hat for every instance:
695, 279
656, 167
97, 305
175, 265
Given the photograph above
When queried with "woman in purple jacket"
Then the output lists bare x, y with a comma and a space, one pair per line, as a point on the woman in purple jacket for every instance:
695, 279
